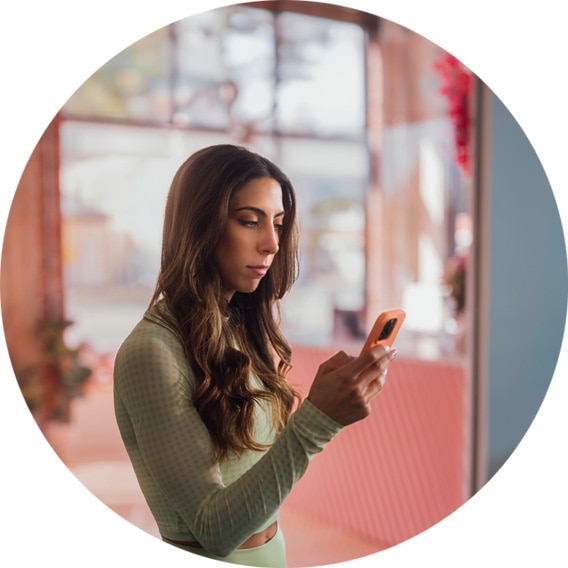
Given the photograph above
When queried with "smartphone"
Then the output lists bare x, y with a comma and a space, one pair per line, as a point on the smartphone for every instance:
386, 328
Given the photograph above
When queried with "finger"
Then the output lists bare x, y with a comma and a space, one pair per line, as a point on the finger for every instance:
368, 357
383, 378
372, 363
377, 373
376, 386
340, 359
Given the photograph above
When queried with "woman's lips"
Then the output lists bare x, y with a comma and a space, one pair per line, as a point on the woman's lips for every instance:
259, 270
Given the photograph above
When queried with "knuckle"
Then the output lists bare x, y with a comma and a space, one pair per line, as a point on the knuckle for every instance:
375, 354
360, 397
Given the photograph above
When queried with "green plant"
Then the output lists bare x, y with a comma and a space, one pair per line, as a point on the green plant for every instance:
63, 376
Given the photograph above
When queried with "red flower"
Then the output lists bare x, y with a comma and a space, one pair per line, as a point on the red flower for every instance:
455, 85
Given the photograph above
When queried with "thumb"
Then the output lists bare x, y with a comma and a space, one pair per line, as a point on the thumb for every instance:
340, 359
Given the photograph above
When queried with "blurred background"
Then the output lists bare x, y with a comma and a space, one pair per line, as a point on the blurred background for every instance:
416, 189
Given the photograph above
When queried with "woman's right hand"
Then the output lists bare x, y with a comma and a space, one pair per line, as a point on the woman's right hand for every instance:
344, 386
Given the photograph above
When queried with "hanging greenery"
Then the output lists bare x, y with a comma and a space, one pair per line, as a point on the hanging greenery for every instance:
49, 387
453, 281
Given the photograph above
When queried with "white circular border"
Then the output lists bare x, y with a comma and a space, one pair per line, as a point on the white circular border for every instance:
50, 48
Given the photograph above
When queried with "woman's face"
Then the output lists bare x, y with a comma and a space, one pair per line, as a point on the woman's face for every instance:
250, 237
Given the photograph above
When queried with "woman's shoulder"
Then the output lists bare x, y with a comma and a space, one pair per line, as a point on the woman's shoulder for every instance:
152, 356
153, 335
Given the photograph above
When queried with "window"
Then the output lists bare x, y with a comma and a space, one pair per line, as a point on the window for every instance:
238, 74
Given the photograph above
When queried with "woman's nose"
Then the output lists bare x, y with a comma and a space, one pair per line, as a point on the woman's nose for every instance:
269, 242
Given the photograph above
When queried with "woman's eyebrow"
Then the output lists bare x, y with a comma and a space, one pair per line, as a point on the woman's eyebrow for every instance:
258, 211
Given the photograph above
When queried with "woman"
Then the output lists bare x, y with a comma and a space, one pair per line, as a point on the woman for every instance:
216, 435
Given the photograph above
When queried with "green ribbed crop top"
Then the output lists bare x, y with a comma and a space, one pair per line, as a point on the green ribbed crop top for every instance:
192, 497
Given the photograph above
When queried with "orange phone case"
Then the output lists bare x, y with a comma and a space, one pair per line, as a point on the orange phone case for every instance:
386, 328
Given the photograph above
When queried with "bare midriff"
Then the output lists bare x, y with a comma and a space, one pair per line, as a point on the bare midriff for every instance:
254, 541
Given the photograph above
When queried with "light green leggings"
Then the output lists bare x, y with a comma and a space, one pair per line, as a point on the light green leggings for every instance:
269, 555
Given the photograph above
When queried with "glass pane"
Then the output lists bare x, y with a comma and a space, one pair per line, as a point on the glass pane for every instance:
133, 85
426, 218
331, 180
225, 69
114, 180
321, 73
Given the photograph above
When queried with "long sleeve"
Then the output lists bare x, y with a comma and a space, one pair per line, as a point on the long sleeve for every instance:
172, 453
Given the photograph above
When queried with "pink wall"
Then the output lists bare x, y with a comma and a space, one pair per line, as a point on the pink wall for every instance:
404, 468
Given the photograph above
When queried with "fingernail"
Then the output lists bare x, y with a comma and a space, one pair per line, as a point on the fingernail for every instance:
393, 353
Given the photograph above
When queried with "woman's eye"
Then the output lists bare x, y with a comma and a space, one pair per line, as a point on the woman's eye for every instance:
249, 223
278, 227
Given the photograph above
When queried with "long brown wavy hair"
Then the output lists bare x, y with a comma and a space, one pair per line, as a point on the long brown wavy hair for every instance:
196, 212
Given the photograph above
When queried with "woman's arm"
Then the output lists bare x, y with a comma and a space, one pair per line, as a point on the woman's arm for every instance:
153, 389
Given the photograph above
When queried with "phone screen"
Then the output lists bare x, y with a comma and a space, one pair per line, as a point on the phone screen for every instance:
387, 329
